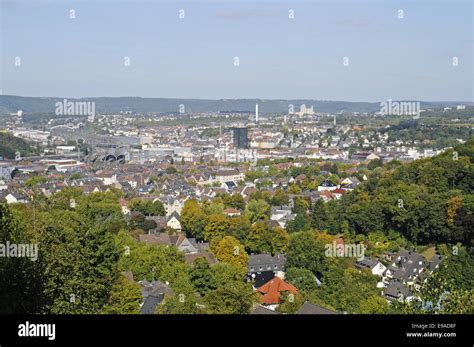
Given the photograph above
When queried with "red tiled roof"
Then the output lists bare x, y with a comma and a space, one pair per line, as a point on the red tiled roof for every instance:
272, 289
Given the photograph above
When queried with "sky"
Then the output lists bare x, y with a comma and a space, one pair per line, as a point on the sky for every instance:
331, 50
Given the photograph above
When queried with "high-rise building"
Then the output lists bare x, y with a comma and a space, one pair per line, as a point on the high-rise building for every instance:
256, 113
240, 137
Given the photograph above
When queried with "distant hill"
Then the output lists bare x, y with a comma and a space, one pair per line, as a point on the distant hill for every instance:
12, 103
10, 144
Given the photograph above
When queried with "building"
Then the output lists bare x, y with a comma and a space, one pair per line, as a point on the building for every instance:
305, 110
270, 292
375, 266
266, 262
240, 138
309, 308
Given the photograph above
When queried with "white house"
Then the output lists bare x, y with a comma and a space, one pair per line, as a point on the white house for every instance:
173, 222
15, 198
375, 266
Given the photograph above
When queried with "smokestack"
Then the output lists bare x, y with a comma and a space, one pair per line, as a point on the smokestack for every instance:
256, 113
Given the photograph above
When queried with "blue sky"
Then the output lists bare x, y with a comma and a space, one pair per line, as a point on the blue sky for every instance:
409, 58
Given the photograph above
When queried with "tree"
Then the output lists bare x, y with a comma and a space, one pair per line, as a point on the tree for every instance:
170, 170
235, 201
139, 222
202, 276
304, 251
193, 219
257, 210
147, 262
374, 164
302, 279
290, 303
264, 239
234, 297
374, 304
301, 205
319, 215
299, 223
217, 226
280, 198
184, 300
214, 207
228, 249
147, 208
80, 261
21, 287
239, 227
125, 297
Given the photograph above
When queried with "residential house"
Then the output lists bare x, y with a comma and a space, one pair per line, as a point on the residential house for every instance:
227, 175
271, 292
327, 185
266, 262
375, 266
309, 308
173, 221
153, 294
281, 214
15, 198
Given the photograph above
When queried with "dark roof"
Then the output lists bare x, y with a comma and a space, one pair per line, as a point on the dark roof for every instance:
309, 308
266, 259
435, 261
260, 278
327, 183
395, 289
366, 263
151, 301
259, 309
174, 214
155, 288
409, 265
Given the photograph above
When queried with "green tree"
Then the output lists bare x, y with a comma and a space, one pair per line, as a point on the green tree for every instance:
193, 219
257, 210
125, 297
229, 250
217, 226
239, 227
21, 287
304, 251
302, 279
280, 198
234, 297
319, 215
299, 223
264, 239
202, 276
147, 208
